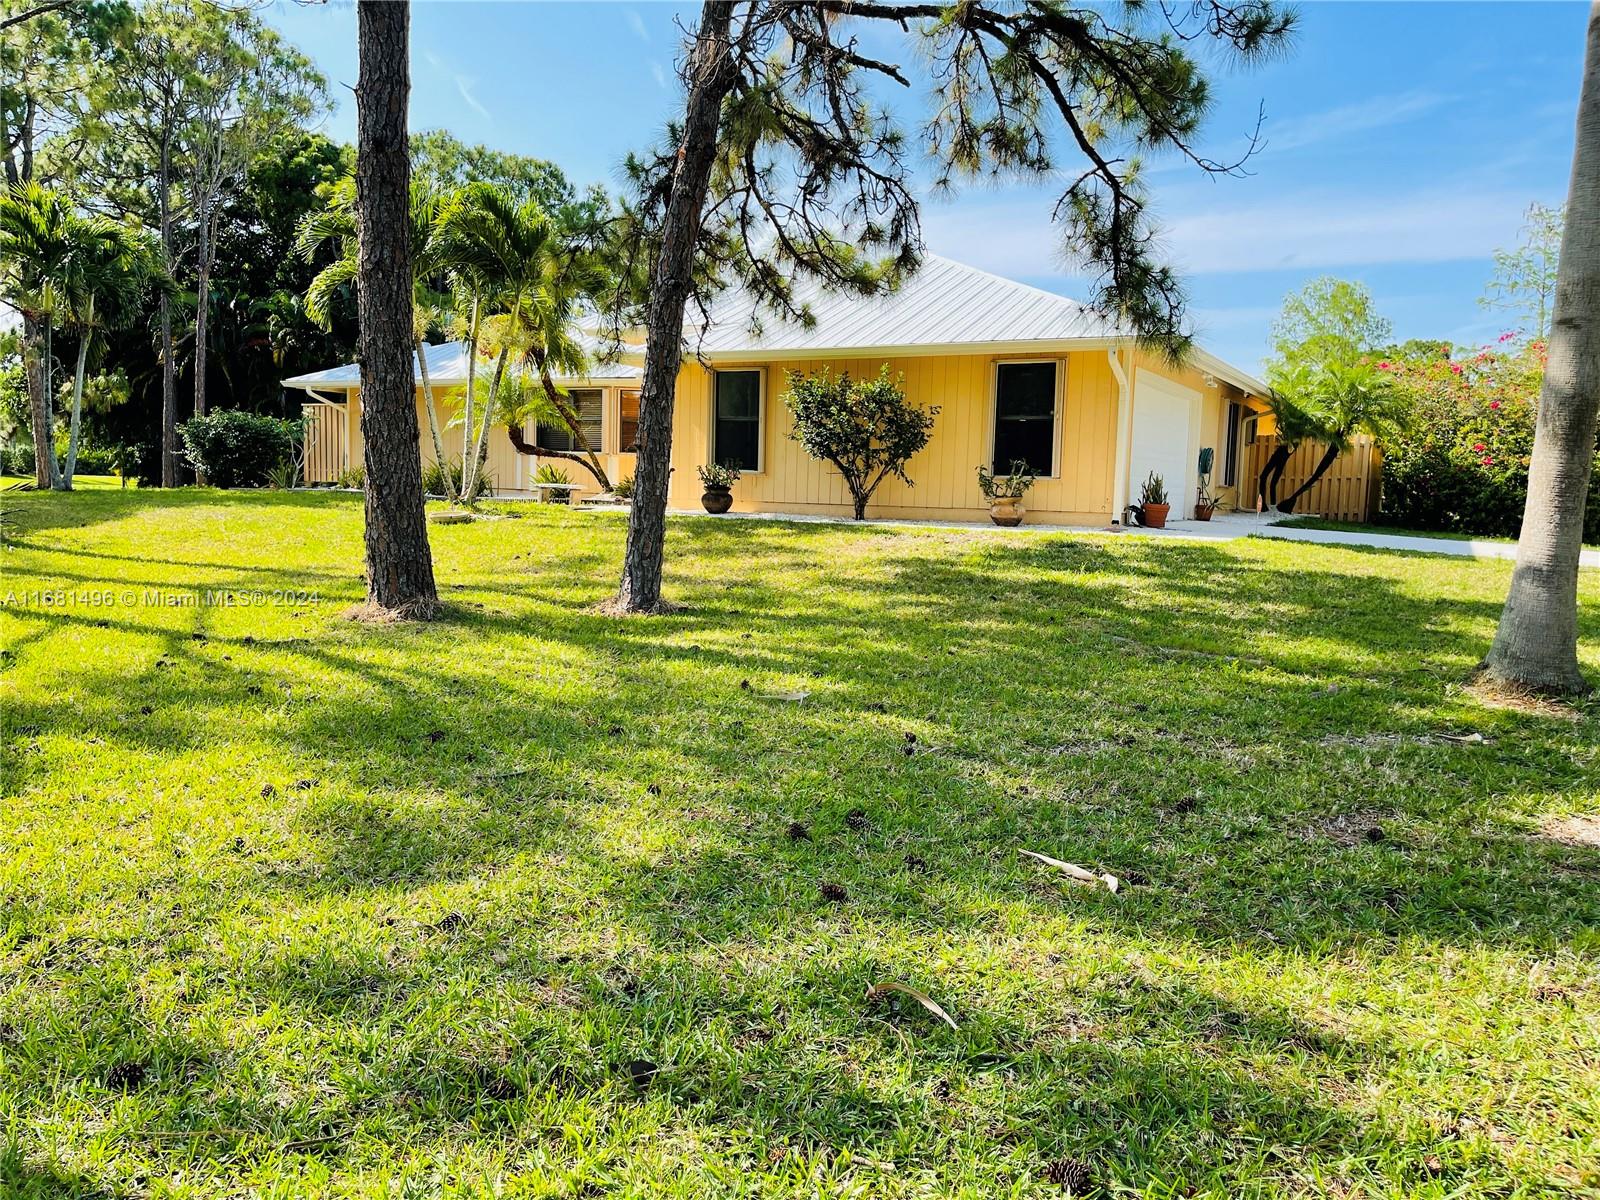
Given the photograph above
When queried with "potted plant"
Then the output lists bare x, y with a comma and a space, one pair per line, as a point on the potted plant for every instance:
1153, 504
1004, 492
1204, 503
718, 480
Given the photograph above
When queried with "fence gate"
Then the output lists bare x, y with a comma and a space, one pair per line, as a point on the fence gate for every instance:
1348, 492
326, 437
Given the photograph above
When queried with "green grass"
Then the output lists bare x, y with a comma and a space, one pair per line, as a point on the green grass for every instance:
79, 482
300, 907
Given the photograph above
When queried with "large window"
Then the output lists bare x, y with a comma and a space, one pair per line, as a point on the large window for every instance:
1025, 416
736, 432
628, 440
587, 403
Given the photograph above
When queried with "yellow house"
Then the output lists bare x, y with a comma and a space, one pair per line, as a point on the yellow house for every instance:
1013, 371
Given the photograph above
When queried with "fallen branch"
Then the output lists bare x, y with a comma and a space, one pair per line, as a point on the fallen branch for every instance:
878, 990
1076, 873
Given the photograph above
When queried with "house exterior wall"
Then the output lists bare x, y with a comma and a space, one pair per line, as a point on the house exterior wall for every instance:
1081, 491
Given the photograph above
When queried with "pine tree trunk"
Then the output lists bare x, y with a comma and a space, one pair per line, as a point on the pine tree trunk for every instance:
1536, 645
711, 75
421, 349
169, 382
202, 297
399, 561
1323, 463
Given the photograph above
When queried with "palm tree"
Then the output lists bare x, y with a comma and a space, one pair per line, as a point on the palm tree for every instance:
1292, 425
337, 222
35, 242
1536, 644
511, 261
1343, 400
107, 269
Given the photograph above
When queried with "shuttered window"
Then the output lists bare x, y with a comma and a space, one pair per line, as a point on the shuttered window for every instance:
1025, 416
588, 404
736, 439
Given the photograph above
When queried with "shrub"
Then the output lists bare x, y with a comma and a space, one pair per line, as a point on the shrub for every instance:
1462, 464
446, 481
864, 427
238, 449
1012, 486
718, 475
355, 476
622, 489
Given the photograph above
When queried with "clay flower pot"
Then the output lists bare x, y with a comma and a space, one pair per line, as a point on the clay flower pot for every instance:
1155, 515
717, 500
1202, 512
1006, 511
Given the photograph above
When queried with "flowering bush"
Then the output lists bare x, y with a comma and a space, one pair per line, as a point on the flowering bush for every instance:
1462, 464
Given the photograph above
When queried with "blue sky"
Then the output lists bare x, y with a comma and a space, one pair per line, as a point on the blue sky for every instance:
1404, 142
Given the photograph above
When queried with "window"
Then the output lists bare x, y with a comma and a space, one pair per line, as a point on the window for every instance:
554, 435
736, 431
628, 442
1025, 416
1230, 463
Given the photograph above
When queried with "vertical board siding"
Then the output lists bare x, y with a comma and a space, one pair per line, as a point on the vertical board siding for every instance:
327, 442
944, 473
1348, 492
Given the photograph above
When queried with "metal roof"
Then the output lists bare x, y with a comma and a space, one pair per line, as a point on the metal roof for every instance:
447, 367
944, 304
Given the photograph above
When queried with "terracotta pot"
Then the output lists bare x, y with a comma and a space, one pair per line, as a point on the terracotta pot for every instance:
1155, 515
716, 500
1202, 512
1006, 510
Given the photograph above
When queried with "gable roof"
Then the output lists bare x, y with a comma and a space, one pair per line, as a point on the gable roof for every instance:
945, 303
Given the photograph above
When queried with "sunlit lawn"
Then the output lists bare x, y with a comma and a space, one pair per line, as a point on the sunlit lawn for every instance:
508, 905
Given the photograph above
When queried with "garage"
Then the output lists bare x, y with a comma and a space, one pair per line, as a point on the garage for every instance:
1165, 416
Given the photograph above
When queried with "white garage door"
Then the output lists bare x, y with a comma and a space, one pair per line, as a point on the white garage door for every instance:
1162, 412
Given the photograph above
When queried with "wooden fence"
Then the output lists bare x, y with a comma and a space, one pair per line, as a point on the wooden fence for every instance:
326, 435
1348, 492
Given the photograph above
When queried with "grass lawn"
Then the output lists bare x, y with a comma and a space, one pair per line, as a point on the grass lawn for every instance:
508, 905
83, 482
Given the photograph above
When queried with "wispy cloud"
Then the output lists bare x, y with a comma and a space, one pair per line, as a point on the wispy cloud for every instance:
636, 23
1347, 120
463, 83
1211, 234
660, 73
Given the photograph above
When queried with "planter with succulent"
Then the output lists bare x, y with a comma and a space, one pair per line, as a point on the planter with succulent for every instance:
1204, 502
1004, 492
718, 480
1153, 504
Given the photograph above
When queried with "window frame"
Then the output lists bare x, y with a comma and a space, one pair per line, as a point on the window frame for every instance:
1232, 442
621, 441
760, 372
570, 448
1060, 365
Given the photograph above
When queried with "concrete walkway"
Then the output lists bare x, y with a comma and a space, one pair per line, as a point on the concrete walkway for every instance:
1224, 527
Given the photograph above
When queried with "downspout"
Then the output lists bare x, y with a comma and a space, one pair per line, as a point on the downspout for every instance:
1119, 477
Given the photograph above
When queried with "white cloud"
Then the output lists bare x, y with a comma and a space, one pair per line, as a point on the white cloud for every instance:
464, 86
636, 23
1207, 234
660, 73
1346, 120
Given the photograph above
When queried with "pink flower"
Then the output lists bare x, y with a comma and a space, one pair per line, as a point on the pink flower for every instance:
1494, 404
1506, 337
1455, 368
1479, 448
1384, 365
1488, 460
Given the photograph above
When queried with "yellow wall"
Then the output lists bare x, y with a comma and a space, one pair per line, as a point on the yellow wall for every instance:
945, 485
945, 472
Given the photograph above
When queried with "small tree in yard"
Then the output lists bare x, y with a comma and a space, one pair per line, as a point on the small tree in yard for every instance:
863, 427
1342, 401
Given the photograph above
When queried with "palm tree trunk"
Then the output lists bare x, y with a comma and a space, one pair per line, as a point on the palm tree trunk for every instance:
1536, 644
1271, 474
472, 387
711, 71
399, 561
433, 416
86, 332
1323, 463
469, 468
52, 467
44, 458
